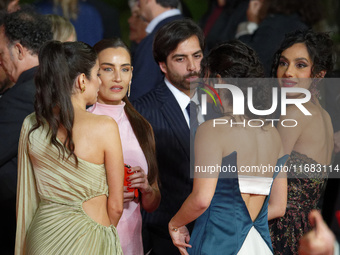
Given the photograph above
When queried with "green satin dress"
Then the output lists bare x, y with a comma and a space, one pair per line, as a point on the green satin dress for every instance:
50, 194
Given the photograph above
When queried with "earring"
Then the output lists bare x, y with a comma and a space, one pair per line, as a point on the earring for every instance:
129, 89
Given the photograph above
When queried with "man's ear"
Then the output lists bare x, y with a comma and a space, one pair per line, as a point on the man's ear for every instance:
13, 6
20, 51
163, 67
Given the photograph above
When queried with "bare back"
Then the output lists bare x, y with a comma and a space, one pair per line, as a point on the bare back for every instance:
88, 136
255, 147
313, 135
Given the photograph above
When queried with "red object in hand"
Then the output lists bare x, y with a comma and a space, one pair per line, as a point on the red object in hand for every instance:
127, 168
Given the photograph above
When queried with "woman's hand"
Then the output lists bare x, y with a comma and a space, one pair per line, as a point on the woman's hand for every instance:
139, 180
128, 196
180, 237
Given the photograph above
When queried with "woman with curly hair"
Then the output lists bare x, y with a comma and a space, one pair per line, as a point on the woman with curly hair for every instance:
301, 62
232, 207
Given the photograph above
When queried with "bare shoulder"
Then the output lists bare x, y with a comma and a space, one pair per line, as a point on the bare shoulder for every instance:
215, 127
294, 113
102, 124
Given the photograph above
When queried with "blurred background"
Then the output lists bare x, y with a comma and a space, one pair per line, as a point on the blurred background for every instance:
197, 9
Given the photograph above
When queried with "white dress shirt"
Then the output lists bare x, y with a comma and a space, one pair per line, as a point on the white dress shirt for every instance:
182, 99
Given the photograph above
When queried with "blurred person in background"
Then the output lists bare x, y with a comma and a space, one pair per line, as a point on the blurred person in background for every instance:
137, 26
147, 73
21, 35
10, 6
85, 17
110, 17
270, 20
62, 28
220, 22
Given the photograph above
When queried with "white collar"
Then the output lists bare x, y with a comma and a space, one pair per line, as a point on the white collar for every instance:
161, 17
182, 99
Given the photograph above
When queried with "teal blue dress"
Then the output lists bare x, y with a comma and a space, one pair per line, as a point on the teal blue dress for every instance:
226, 224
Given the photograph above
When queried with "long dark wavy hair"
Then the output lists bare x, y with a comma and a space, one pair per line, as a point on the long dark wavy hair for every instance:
140, 126
59, 66
233, 62
319, 45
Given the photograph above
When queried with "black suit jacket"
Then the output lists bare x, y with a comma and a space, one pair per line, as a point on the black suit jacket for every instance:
146, 73
172, 136
224, 28
268, 37
15, 104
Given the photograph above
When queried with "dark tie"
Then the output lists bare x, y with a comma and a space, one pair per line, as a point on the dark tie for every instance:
192, 112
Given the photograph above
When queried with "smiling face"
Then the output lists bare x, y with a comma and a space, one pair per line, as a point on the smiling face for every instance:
183, 64
115, 74
295, 67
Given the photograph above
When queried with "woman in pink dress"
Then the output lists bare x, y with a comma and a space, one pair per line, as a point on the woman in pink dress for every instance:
137, 140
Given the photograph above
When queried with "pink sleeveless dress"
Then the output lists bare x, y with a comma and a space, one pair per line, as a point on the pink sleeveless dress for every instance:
130, 224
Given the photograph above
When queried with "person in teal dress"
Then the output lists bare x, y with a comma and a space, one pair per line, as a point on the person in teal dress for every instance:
232, 208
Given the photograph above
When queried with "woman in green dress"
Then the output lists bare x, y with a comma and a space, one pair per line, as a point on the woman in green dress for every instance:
70, 163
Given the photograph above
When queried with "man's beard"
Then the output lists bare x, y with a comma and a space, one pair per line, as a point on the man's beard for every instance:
180, 82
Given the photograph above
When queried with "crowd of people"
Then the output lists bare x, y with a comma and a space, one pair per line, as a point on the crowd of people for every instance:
100, 143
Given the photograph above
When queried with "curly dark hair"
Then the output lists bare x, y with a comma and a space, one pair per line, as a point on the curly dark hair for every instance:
319, 45
234, 62
59, 66
27, 27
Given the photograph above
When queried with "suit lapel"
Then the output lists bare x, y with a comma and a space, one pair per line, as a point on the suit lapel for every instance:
174, 116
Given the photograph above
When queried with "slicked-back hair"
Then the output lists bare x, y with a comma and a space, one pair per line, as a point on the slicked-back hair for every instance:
168, 3
59, 66
319, 45
140, 126
28, 28
170, 35
111, 43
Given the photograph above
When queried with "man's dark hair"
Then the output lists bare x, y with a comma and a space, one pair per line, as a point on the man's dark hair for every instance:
170, 35
28, 28
168, 3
